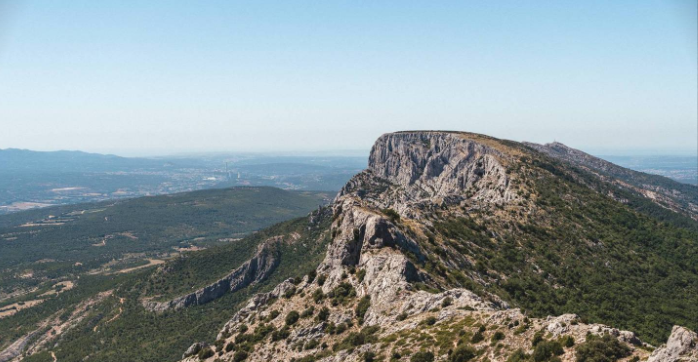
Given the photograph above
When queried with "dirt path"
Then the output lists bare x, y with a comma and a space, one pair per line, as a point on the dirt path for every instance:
53, 355
11, 309
151, 262
121, 310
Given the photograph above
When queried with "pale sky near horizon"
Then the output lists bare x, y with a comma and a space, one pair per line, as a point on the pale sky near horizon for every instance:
164, 77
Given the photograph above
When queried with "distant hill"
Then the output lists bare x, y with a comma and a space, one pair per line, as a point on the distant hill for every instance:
14, 160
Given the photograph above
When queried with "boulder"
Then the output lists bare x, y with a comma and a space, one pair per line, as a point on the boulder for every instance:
682, 346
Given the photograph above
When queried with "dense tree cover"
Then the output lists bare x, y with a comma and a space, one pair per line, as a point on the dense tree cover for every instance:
627, 263
138, 335
601, 349
94, 234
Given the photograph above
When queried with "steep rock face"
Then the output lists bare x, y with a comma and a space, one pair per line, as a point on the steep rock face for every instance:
434, 167
682, 346
254, 270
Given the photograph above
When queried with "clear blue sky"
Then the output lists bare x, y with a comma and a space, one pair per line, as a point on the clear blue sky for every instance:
155, 77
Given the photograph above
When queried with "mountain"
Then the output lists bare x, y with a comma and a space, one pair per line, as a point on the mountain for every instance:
456, 246
450, 246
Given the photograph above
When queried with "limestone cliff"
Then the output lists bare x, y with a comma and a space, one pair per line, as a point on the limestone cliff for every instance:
252, 271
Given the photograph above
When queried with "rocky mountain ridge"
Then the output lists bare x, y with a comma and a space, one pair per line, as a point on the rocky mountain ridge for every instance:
381, 293
669, 194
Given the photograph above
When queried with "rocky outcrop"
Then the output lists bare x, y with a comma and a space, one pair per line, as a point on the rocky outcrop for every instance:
441, 166
194, 349
254, 270
682, 346
16, 348
255, 303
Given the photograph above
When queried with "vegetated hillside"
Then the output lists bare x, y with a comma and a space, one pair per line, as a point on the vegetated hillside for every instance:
116, 327
666, 192
55, 242
456, 246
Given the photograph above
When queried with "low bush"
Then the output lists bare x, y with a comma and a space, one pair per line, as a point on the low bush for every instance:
292, 318
601, 349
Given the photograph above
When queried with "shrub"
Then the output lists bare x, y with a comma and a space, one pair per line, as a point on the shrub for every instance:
318, 296
281, 334
429, 321
518, 356
477, 337
323, 314
392, 214
321, 279
462, 354
342, 292
401, 317
369, 356
362, 308
354, 339
229, 347
446, 302
239, 356
311, 276
567, 341
601, 349
205, 353
341, 327
422, 357
262, 331
497, 336
537, 338
313, 343
547, 349
308, 312
292, 318
360, 275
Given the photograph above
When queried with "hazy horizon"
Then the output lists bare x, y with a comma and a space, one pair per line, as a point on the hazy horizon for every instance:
598, 152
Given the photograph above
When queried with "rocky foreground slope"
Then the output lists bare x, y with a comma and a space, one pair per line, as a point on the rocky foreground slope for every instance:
397, 284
